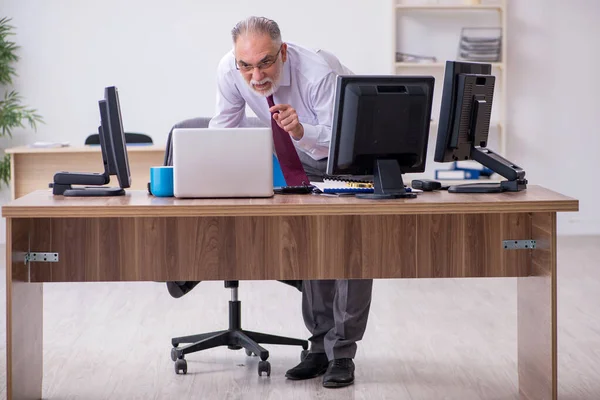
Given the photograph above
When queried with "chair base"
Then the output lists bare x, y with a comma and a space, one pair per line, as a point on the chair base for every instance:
234, 338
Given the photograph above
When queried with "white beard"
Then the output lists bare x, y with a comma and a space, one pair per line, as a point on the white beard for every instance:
272, 89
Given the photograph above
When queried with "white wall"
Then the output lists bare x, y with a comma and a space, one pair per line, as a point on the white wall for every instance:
553, 87
162, 56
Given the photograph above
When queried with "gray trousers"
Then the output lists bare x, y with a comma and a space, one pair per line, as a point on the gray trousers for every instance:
335, 311
315, 169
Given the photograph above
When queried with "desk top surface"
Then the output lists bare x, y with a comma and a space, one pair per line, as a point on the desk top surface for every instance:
42, 204
79, 149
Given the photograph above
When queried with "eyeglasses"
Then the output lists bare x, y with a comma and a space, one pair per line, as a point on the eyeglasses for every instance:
261, 66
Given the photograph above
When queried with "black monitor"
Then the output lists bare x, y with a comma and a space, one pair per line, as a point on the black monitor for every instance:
117, 135
464, 125
381, 128
114, 157
105, 143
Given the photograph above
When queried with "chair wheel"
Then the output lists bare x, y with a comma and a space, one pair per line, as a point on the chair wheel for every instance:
174, 354
303, 354
249, 353
264, 366
181, 365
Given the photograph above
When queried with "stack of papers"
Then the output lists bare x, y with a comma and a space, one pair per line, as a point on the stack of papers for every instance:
480, 44
334, 186
49, 145
348, 187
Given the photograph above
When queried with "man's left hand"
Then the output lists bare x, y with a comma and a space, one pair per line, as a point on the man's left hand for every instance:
287, 119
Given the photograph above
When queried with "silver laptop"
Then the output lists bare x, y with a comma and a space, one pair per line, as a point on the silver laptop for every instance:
223, 162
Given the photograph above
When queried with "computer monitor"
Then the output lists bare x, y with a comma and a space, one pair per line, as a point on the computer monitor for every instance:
114, 157
464, 125
117, 136
381, 128
105, 142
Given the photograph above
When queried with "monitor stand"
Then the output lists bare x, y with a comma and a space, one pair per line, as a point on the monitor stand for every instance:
515, 175
63, 182
387, 182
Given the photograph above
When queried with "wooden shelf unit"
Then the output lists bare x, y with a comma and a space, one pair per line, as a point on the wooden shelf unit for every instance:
450, 10
447, 7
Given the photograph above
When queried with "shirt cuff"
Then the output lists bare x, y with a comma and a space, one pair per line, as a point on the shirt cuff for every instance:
309, 140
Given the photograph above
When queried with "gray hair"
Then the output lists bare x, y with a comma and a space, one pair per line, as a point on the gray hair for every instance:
257, 25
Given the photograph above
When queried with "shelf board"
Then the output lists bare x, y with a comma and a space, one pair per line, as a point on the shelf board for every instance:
443, 7
438, 65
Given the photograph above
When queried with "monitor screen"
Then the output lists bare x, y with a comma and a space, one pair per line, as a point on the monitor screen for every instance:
105, 141
117, 136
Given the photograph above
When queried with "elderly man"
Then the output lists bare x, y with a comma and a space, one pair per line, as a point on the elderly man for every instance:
292, 89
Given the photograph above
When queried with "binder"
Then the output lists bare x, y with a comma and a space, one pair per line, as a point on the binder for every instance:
470, 165
278, 179
456, 174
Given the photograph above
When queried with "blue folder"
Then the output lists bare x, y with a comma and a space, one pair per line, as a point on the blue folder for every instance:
278, 179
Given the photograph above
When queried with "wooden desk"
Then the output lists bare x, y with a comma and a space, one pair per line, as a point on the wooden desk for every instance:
33, 168
141, 238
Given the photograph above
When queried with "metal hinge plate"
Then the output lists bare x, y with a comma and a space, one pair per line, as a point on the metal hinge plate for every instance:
41, 257
518, 244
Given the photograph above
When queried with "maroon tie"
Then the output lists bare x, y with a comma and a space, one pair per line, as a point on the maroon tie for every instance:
292, 169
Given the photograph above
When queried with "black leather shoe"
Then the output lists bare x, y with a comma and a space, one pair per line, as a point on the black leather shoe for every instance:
313, 365
340, 373
179, 288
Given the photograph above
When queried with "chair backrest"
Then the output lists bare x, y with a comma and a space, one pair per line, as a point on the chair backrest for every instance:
200, 122
130, 137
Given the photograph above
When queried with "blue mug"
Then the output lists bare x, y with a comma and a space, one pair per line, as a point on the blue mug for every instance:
161, 181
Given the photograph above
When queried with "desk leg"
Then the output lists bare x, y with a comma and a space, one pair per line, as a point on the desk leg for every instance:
537, 315
23, 318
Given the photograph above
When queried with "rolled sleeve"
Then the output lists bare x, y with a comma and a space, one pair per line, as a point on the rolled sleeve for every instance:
230, 105
317, 137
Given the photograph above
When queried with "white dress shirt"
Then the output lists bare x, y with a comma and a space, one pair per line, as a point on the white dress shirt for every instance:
307, 84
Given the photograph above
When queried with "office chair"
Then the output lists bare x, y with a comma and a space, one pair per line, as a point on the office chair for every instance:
234, 337
130, 137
